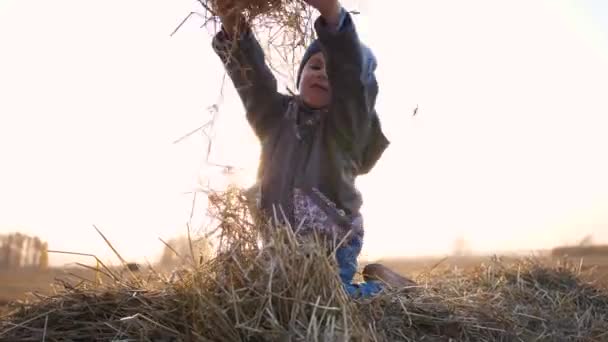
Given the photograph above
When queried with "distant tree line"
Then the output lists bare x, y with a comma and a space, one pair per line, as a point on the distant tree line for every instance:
181, 250
461, 247
585, 248
19, 250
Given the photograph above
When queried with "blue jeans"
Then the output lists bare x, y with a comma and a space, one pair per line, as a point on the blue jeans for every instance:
346, 256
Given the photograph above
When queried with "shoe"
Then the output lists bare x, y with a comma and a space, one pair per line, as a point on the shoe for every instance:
379, 272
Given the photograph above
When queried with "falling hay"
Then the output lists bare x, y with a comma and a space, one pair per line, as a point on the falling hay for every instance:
277, 288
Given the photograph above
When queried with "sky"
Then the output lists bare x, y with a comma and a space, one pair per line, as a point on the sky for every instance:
507, 148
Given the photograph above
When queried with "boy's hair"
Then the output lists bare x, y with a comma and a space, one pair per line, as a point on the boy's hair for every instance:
312, 49
369, 61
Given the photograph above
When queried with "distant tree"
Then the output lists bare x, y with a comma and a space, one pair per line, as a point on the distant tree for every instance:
461, 247
586, 241
8, 250
36, 251
169, 259
16, 251
19, 250
43, 258
4, 251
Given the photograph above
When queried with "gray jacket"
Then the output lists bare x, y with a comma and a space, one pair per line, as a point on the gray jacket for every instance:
310, 158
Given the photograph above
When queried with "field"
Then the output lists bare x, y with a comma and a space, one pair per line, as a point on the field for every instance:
19, 285
287, 289
415, 266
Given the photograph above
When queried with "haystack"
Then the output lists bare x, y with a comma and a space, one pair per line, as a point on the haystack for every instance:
285, 289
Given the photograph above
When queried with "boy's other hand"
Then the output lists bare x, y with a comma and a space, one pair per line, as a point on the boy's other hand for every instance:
329, 10
229, 14
223, 7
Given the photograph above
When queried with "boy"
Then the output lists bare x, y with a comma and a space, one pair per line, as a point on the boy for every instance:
315, 144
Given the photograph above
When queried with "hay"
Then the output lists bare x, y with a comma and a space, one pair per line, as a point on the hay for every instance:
285, 24
284, 12
292, 15
284, 28
284, 290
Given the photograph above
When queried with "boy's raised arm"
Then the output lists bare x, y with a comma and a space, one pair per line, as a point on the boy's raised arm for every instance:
349, 73
244, 61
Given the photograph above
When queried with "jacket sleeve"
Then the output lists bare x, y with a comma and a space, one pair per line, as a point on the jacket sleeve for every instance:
353, 90
375, 146
245, 64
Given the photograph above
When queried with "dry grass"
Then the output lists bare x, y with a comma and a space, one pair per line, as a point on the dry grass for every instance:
283, 27
580, 251
284, 13
285, 289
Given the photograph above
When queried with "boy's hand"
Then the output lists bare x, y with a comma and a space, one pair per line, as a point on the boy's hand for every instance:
229, 14
329, 9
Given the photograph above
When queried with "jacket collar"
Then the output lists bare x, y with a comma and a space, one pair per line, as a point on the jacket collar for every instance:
305, 109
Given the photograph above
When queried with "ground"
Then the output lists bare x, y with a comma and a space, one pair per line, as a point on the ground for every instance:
21, 284
18, 285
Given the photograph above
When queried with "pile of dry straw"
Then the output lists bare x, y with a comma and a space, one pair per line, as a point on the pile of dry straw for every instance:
286, 290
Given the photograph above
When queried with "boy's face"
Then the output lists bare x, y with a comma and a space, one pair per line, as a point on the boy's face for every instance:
314, 85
